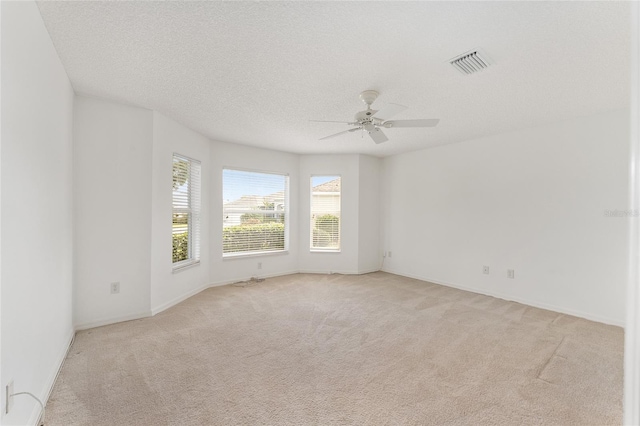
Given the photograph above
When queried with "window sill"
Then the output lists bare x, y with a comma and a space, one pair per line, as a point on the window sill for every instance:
315, 250
185, 264
231, 256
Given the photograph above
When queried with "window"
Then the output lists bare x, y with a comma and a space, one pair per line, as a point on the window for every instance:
186, 211
255, 210
325, 213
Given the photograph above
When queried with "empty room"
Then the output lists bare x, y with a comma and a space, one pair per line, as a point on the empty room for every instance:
319, 213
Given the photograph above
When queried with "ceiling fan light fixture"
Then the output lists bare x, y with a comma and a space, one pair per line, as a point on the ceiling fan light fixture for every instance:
368, 96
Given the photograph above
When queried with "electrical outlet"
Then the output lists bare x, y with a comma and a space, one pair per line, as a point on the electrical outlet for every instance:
384, 254
389, 254
259, 265
510, 273
115, 288
9, 398
485, 270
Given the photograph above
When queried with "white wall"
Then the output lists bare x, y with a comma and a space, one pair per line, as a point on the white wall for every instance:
167, 287
531, 200
631, 402
360, 217
37, 107
347, 167
369, 253
112, 184
262, 160
123, 158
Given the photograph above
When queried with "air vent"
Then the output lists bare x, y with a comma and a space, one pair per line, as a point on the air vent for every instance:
470, 62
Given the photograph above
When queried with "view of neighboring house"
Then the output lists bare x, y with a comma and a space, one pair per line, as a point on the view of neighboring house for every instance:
324, 230
326, 198
270, 206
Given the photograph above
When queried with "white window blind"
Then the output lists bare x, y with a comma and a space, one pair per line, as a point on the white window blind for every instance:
325, 213
186, 211
255, 212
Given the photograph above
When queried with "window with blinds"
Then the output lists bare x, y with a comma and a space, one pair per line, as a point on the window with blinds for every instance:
186, 211
255, 212
325, 213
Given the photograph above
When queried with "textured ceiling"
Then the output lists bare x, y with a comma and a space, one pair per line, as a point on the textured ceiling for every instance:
256, 72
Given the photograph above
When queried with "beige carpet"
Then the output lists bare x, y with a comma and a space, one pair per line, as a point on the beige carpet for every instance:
375, 349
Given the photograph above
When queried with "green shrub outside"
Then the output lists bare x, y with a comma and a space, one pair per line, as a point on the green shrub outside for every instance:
180, 247
239, 238
321, 238
251, 218
253, 237
328, 223
326, 231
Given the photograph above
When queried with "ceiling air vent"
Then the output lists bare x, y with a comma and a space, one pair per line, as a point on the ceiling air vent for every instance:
470, 62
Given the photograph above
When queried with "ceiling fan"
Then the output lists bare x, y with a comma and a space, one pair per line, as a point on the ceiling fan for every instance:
373, 121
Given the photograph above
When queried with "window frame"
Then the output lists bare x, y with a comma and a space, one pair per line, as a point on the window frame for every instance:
193, 211
313, 249
285, 211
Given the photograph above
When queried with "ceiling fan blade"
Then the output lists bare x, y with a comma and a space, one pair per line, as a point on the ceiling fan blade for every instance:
338, 134
427, 122
378, 136
389, 110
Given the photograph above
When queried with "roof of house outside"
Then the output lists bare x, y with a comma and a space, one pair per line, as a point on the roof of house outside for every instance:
331, 186
254, 202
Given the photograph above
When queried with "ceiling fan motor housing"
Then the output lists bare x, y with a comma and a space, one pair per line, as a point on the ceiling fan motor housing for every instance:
366, 115
366, 118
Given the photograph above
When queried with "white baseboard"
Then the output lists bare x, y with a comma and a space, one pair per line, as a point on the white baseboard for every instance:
175, 301
107, 321
368, 271
45, 393
191, 293
328, 272
195, 291
260, 276
533, 303
185, 296
178, 299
